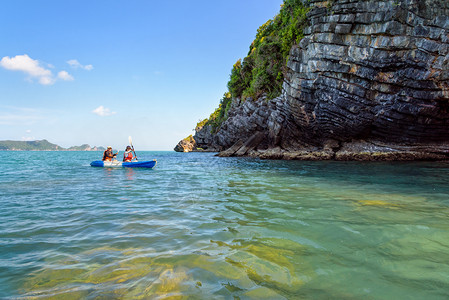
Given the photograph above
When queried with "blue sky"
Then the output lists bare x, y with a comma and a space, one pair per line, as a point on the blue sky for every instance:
96, 72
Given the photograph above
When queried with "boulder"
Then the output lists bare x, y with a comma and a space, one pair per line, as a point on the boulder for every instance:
186, 145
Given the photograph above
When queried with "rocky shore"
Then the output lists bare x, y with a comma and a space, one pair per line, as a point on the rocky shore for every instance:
369, 81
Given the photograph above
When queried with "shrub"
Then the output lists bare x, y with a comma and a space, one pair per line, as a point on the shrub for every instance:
201, 124
263, 70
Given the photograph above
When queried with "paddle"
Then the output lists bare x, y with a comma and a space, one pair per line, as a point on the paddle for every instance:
132, 147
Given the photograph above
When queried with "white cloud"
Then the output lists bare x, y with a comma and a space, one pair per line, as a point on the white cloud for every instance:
34, 69
29, 66
64, 75
103, 111
26, 64
28, 137
46, 80
75, 64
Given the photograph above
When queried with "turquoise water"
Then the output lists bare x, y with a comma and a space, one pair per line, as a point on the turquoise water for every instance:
204, 227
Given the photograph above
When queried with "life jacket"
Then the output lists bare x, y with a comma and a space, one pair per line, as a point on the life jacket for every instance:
108, 155
128, 156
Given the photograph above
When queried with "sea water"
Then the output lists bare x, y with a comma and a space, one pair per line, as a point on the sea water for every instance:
205, 227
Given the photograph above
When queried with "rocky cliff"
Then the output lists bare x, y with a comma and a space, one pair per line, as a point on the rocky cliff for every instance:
369, 81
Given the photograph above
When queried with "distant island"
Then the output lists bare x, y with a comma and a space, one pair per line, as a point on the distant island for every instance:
43, 145
86, 147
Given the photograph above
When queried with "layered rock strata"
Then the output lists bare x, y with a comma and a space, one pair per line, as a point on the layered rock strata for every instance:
369, 81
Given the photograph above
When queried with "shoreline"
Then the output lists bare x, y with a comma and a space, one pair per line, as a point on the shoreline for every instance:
350, 151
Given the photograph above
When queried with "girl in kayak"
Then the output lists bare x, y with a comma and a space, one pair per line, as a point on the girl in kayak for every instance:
128, 156
108, 155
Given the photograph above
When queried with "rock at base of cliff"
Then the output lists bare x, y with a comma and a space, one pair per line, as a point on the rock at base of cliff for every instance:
186, 145
241, 148
376, 151
350, 151
189, 145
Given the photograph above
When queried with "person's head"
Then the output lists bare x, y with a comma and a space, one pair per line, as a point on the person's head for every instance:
109, 148
128, 148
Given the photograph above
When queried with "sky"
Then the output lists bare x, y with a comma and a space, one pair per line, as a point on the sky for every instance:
96, 72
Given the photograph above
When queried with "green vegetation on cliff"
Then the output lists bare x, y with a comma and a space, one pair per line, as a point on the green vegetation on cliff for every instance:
263, 70
219, 115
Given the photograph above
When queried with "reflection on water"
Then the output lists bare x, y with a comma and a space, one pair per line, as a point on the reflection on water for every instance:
205, 227
129, 174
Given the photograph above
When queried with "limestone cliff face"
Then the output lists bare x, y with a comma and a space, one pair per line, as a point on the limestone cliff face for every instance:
370, 80
373, 69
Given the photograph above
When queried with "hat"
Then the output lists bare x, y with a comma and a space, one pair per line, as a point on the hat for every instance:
128, 147
109, 147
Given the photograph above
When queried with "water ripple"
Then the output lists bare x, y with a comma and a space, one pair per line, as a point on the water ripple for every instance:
206, 227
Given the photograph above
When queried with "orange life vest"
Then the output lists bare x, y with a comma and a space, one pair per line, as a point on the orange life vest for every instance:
128, 156
108, 155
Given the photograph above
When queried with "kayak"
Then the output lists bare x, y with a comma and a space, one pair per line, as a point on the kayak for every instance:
118, 164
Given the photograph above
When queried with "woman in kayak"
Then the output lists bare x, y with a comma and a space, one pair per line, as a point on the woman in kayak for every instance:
108, 155
128, 156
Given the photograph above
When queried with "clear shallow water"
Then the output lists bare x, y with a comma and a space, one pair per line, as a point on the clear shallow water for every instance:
205, 227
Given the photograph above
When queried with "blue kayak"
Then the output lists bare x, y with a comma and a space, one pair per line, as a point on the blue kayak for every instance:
118, 164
